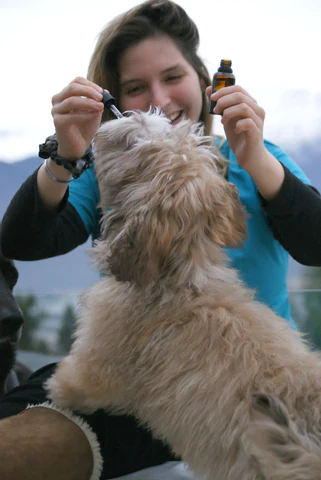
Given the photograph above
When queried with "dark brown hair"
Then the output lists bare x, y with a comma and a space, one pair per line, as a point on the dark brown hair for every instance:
149, 19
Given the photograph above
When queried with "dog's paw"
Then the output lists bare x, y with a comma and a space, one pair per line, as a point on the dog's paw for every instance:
63, 390
67, 396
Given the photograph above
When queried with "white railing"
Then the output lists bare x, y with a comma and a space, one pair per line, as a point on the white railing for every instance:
55, 315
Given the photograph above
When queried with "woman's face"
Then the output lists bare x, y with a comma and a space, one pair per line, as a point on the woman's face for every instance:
155, 73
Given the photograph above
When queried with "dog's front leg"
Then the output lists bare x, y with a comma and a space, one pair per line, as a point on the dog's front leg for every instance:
83, 385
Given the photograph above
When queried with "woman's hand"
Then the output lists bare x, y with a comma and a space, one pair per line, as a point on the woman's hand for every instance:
77, 112
243, 121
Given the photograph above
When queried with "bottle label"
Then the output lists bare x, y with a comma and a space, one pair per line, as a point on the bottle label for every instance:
220, 81
224, 82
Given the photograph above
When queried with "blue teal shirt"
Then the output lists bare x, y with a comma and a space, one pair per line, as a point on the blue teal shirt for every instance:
262, 262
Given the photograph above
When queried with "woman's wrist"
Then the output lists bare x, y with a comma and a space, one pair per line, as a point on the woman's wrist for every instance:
50, 148
58, 170
50, 191
268, 175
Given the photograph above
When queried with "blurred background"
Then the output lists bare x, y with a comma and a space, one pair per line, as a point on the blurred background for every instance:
45, 44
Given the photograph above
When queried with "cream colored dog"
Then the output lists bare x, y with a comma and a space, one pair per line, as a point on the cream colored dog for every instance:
172, 335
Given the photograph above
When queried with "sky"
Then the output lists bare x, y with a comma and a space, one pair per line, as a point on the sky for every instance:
45, 44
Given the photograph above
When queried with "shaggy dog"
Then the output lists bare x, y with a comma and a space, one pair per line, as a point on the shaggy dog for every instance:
171, 334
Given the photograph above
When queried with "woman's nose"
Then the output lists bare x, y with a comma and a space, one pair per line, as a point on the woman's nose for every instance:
159, 96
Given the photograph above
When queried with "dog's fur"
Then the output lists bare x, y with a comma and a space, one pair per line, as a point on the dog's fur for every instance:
172, 335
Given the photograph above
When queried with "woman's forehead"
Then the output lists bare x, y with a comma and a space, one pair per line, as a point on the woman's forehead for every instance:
153, 55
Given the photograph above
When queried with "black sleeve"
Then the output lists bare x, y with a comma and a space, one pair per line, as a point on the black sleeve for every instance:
30, 231
295, 218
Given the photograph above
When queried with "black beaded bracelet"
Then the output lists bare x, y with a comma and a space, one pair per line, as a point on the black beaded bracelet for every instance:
75, 167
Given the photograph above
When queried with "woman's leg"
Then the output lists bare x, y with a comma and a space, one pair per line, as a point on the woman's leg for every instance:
124, 446
43, 443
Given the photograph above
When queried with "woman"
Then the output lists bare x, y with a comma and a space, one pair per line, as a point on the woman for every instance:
147, 56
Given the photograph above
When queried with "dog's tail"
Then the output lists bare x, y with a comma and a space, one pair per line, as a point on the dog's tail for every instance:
275, 443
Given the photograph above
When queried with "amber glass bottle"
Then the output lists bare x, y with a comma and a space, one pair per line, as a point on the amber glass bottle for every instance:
222, 78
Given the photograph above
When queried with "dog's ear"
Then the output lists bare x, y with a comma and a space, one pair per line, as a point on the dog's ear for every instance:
120, 261
227, 218
130, 257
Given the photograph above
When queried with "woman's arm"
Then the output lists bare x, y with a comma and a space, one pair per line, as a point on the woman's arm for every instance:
40, 222
32, 231
294, 215
293, 208
76, 113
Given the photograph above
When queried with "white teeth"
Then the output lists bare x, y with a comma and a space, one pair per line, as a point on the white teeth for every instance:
174, 116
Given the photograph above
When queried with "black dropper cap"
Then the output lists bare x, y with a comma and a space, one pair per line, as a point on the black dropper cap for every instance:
109, 102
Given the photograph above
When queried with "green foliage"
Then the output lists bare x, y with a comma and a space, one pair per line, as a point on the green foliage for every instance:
311, 302
67, 328
33, 316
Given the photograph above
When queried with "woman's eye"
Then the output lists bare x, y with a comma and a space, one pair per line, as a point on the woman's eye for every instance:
174, 78
135, 90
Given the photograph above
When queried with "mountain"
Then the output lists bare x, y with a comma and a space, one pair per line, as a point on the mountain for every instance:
71, 273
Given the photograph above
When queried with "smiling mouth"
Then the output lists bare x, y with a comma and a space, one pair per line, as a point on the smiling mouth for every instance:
175, 116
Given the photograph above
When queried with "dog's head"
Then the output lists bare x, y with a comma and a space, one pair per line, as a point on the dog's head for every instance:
170, 206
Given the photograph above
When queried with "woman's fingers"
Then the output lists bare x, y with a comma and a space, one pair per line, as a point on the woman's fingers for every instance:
77, 112
231, 98
244, 110
235, 104
243, 121
78, 99
247, 125
223, 92
80, 87
77, 105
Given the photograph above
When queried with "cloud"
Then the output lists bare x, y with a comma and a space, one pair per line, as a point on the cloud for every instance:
7, 134
267, 50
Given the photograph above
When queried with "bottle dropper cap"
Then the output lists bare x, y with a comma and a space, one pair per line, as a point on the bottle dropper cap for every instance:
109, 102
